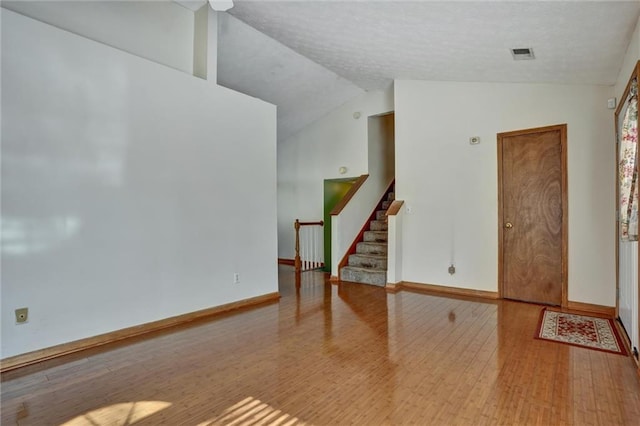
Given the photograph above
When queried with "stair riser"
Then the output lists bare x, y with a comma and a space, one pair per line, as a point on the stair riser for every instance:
391, 196
377, 278
386, 204
367, 262
378, 225
371, 248
375, 236
381, 215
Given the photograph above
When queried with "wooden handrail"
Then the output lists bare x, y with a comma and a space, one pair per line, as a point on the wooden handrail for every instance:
394, 208
320, 222
348, 196
297, 262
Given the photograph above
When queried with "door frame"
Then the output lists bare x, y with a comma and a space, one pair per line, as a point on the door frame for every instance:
635, 73
564, 204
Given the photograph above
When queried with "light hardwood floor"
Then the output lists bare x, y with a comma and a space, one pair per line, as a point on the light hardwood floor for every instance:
335, 355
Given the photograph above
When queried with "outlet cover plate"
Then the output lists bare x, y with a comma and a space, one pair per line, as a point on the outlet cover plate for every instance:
22, 315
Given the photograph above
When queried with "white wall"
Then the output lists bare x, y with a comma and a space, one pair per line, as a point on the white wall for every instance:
451, 186
205, 44
381, 148
394, 262
161, 31
131, 192
201, 43
316, 153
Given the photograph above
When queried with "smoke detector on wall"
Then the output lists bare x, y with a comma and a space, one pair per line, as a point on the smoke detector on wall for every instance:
522, 53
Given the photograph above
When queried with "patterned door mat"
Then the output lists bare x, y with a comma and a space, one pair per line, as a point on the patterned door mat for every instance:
580, 330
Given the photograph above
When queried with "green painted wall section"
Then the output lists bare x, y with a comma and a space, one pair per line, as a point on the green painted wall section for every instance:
334, 191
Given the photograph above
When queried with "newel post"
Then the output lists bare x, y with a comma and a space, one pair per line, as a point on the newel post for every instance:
297, 263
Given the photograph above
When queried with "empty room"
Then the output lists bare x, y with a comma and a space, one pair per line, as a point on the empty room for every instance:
319, 212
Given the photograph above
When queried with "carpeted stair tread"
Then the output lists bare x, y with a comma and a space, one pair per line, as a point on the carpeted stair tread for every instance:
372, 261
371, 248
370, 276
376, 236
378, 225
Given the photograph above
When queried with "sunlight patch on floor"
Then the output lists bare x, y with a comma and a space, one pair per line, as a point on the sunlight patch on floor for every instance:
252, 411
126, 413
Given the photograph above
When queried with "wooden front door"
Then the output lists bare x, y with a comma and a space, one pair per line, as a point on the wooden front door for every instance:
532, 215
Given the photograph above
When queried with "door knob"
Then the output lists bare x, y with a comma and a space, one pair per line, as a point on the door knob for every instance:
508, 225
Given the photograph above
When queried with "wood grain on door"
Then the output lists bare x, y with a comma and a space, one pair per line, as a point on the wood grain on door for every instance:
532, 203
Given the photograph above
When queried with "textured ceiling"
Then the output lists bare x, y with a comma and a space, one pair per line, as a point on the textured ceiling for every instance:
252, 63
370, 43
309, 57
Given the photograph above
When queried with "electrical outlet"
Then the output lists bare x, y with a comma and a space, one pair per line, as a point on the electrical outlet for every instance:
236, 278
22, 315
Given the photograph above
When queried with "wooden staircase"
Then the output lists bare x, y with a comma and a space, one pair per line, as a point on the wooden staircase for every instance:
368, 265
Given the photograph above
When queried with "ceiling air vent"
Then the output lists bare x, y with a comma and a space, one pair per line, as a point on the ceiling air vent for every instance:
522, 53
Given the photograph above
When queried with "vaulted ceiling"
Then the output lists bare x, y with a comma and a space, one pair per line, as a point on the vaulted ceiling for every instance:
329, 51
373, 42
